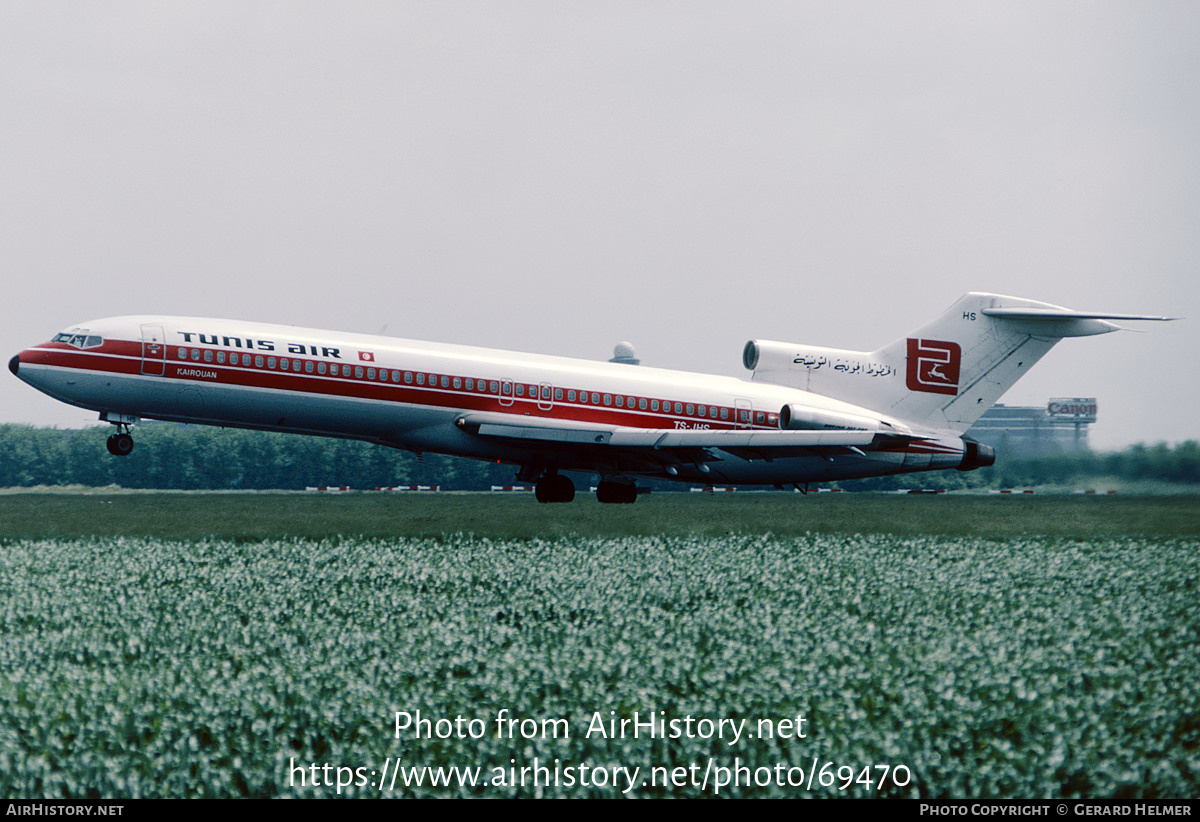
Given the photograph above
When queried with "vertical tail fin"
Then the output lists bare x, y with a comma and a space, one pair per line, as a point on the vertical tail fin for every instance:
945, 374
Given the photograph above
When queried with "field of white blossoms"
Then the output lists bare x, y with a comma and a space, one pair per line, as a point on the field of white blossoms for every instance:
984, 668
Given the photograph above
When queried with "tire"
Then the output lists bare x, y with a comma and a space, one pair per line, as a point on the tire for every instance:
619, 493
554, 488
119, 445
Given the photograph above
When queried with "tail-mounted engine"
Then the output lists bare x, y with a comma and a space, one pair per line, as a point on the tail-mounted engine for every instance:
976, 455
797, 417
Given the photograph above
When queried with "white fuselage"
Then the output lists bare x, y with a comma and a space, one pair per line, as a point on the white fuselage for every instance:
416, 395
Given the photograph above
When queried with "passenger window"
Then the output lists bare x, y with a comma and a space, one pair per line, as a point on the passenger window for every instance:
258, 361
208, 355
642, 403
295, 365
558, 393
221, 357
620, 401
653, 405
445, 382
702, 411
457, 382
358, 371
470, 384
370, 373
183, 353
595, 398
608, 399
520, 390
678, 408
724, 413
493, 386
333, 368
408, 377
195, 355
283, 363
321, 367
395, 376
420, 379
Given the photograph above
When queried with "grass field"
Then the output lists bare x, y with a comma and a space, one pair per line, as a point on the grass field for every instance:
318, 516
181, 645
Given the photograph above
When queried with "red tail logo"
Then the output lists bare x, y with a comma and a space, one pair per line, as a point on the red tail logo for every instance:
933, 366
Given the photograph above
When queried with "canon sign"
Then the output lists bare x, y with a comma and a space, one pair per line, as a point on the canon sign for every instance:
1080, 409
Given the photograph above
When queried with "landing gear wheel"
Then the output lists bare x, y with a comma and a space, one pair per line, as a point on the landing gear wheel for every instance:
554, 488
119, 445
616, 492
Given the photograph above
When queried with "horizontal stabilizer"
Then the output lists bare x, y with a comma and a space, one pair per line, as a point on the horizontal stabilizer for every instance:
1066, 314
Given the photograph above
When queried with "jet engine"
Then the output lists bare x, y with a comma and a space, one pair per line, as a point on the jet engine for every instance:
794, 416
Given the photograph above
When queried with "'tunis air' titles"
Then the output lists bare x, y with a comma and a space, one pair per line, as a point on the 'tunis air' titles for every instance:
259, 345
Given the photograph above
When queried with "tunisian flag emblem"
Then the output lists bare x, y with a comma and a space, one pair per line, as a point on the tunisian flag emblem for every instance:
367, 356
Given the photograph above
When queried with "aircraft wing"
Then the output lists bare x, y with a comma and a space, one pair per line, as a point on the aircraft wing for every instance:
688, 445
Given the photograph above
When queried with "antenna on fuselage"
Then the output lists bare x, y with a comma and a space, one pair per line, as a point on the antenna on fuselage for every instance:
623, 353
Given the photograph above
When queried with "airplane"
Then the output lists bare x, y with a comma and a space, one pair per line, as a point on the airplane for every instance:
807, 414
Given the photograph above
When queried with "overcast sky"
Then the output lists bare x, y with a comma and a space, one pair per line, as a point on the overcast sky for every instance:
556, 177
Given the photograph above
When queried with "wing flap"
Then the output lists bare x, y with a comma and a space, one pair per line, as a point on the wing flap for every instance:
657, 439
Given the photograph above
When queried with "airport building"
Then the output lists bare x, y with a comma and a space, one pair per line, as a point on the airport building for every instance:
1061, 425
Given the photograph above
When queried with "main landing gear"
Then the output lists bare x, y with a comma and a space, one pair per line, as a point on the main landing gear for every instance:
554, 487
616, 492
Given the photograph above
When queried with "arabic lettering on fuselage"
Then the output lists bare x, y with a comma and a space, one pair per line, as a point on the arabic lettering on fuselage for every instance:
872, 369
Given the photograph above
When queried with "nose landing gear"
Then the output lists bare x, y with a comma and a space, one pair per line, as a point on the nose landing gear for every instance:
120, 443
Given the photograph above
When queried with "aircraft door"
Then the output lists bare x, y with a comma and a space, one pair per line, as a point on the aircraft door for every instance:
154, 350
506, 392
545, 401
743, 413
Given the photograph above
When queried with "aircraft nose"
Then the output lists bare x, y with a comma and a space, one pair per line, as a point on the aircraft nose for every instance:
14, 363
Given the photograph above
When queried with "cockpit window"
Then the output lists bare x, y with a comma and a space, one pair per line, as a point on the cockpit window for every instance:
79, 340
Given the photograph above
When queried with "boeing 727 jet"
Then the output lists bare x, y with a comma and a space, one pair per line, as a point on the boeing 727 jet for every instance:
806, 414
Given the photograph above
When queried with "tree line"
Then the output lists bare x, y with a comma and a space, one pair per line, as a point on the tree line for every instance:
169, 456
